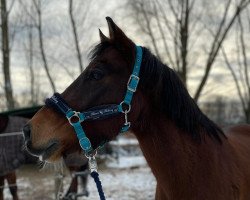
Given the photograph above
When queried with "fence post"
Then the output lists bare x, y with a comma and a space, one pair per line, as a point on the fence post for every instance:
58, 170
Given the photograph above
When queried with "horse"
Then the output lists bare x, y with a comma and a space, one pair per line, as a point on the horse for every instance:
76, 163
191, 157
11, 154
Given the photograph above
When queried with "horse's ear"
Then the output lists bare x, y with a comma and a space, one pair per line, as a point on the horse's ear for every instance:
115, 33
122, 42
113, 28
103, 37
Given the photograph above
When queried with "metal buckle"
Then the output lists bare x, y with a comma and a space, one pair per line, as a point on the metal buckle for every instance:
92, 161
76, 115
123, 110
126, 123
90, 154
136, 78
92, 164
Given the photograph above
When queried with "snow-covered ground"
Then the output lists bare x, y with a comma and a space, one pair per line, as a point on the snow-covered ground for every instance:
124, 176
128, 179
127, 162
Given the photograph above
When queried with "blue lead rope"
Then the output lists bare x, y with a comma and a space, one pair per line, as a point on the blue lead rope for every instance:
98, 183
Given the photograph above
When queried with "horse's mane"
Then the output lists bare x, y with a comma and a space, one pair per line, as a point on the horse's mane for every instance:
169, 96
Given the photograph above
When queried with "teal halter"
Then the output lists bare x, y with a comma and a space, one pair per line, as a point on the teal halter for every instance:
100, 112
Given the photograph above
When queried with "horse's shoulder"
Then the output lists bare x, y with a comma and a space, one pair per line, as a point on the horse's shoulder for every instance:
239, 137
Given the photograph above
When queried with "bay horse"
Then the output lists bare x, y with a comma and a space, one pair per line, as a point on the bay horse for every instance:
191, 157
11, 154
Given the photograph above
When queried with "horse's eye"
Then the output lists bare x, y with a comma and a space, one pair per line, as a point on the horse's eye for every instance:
96, 75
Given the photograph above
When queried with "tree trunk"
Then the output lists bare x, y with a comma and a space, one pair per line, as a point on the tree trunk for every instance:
218, 41
30, 64
78, 52
184, 39
45, 63
6, 56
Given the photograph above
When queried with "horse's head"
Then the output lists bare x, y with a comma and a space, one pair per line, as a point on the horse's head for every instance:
104, 81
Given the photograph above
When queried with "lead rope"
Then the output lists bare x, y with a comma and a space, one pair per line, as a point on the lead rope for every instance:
95, 175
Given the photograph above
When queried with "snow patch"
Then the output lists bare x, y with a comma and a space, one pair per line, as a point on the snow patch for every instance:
127, 162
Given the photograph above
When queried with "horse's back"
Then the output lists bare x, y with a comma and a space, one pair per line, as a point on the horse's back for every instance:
239, 138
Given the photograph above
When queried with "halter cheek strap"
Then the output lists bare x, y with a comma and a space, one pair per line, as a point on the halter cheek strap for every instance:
99, 112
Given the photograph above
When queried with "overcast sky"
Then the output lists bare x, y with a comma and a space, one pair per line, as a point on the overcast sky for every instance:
61, 53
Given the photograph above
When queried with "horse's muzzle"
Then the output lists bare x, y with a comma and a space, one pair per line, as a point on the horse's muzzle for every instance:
42, 152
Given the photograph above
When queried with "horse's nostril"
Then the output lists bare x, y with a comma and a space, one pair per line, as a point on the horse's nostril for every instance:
27, 132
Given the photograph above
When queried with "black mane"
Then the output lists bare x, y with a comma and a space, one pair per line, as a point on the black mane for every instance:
98, 49
172, 98
169, 96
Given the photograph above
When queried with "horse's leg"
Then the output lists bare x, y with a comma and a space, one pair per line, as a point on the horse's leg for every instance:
1, 187
11, 178
84, 179
73, 184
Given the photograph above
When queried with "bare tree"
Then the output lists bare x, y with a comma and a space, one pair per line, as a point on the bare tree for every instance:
6, 55
37, 4
219, 38
29, 51
72, 20
152, 19
169, 25
35, 16
143, 19
240, 72
85, 5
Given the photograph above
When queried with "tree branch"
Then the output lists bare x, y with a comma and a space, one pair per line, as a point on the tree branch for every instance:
78, 52
243, 48
217, 44
163, 35
236, 81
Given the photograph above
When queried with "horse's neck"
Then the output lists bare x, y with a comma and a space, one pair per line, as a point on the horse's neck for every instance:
175, 158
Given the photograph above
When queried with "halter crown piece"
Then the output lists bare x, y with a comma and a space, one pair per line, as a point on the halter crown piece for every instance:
98, 113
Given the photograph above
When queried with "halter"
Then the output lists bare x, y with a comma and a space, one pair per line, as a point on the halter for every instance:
75, 118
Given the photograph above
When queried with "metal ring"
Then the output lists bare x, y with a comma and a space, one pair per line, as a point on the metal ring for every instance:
91, 154
76, 114
129, 107
127, 124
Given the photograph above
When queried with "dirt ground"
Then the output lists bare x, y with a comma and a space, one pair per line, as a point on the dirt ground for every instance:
119, 183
